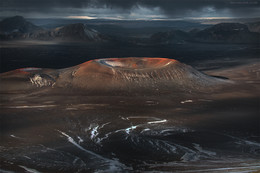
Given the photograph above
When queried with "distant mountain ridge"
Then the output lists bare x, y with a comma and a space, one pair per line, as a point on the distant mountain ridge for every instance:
17, 24
228, 33
71, 32
219, 33
17, 28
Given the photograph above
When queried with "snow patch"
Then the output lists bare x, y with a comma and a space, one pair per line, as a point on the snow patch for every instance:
186, 101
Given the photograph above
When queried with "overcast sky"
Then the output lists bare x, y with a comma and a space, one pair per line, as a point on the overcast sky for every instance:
130, 9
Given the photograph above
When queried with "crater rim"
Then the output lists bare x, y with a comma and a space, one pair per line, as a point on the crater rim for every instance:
136, 63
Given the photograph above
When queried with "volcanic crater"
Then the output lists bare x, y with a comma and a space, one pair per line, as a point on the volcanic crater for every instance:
116, 74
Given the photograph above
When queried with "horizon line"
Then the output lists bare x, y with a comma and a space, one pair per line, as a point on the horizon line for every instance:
137, 19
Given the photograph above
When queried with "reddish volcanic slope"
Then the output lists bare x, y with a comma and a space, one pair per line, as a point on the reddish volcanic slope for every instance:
114, 74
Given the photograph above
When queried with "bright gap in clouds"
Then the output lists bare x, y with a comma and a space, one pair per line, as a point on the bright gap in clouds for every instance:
81, 17
135, 13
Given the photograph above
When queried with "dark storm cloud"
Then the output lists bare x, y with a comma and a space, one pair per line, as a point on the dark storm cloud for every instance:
185, 6
169, 8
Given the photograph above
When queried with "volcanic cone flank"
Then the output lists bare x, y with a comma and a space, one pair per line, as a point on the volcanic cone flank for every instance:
120, 74
136, 73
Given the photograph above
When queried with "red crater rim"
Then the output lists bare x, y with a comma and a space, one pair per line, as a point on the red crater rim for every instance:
135, 62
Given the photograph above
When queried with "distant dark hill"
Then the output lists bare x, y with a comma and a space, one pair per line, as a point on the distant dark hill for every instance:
220, 33
17, 24
78, 31
71, 32
227, 33
170, 37
254, 26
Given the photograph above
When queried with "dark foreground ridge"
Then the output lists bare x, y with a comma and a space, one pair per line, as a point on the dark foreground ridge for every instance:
114, 74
